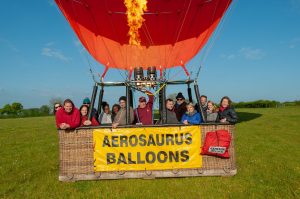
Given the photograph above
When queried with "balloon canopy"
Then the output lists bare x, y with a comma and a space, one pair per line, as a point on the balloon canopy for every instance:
172, 33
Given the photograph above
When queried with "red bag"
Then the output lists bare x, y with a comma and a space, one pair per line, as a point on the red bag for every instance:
217, 143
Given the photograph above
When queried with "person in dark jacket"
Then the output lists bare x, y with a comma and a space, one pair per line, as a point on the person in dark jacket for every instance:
180, 106
143, 113
203, 102
191, 116
226, 112
171, 115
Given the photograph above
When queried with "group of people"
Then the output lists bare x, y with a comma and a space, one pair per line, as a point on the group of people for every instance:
69, 117
189, 113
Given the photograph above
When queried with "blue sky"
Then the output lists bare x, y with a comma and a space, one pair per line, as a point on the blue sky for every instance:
256, 55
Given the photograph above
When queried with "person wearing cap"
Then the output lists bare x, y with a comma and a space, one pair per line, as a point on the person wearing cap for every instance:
68, 117
143, 113
191, 116
120, 118
180, 106
86, 101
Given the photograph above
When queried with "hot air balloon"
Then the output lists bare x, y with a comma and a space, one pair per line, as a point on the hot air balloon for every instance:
168, 33
138, 35
172, 32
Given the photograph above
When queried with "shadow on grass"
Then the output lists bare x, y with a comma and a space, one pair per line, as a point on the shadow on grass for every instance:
245, 116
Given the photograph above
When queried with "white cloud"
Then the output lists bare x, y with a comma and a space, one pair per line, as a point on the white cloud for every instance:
9, 45
252, 54
293, 43
246, 53
51, 43
229, 56
54, 53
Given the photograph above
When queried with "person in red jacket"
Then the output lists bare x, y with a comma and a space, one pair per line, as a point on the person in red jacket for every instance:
143, 113
68, 117
84, 117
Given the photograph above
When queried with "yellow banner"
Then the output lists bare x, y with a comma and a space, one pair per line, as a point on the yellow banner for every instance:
151, 148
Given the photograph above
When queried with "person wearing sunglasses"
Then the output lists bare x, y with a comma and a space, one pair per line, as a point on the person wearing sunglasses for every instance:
56, 107
180, 106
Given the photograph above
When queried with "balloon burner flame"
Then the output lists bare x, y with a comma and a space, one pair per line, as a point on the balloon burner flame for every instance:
135, 12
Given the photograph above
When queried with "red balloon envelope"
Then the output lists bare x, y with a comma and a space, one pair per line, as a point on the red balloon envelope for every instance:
173, 32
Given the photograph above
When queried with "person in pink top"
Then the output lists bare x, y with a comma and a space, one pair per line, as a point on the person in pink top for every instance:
143, 113
68, 117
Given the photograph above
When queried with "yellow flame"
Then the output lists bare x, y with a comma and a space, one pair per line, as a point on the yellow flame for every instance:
135, 12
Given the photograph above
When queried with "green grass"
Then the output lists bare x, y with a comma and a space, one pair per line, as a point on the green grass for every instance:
267, 149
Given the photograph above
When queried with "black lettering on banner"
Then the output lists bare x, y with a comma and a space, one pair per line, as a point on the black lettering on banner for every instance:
173, 156
122, 159
177, 139
110, 158
184, 156
114, 141
142, 139
106, 142
123, 140
151, 140
130, 161
162, 156
162, 141
188, 138
169, 138
131, 142
152, 160
139, 161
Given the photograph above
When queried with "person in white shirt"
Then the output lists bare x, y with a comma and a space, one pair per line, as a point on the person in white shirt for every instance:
105, 116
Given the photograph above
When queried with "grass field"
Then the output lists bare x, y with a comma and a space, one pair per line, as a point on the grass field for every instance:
268, 160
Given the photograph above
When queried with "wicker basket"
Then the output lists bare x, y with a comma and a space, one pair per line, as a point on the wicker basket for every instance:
77, 161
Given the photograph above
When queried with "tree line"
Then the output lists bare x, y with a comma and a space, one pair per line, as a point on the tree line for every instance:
265, 104
16, 110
